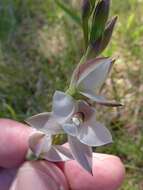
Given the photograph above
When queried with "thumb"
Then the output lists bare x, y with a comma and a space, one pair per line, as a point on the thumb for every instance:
39, 175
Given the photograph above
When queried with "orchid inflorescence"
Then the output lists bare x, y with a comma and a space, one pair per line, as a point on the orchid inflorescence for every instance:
73, 112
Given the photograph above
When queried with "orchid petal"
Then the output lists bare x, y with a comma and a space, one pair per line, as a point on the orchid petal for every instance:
45, 123
63, 106
100, 99
52, 127
93, 133
81, 152
94, 76
39, 120
81, 69
57, 154
40, 143
70, 129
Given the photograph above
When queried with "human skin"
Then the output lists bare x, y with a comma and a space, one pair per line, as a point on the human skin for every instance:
18, 174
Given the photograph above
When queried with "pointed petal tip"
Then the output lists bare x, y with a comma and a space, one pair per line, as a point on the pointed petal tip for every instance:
114, 58
27, 121
110, 104
120, 105
113, 103
91, 173
101, 100
115, 18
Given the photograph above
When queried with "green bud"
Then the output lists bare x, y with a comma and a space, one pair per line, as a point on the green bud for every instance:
101, 43
100, 18
108, 33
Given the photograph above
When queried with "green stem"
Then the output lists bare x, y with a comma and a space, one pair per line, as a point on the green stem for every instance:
85, 31
84, 57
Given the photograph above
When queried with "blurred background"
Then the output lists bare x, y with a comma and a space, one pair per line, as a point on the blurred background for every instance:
41, 42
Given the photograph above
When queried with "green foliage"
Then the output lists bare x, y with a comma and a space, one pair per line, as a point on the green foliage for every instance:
39, 47
7, 19
69, 11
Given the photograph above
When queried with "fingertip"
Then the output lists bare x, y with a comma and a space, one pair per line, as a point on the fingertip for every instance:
113, 171
108, 174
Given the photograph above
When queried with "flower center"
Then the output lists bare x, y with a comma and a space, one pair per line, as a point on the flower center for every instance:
78, 119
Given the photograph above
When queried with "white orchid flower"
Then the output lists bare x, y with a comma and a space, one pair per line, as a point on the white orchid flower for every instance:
88, 78
77, 119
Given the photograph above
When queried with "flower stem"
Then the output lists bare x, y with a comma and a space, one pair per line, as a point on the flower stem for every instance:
85, 56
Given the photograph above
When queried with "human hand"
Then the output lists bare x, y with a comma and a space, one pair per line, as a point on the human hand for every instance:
18, 174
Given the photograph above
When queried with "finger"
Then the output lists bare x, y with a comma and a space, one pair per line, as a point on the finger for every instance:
6, 178
41, 175
13, 142
108, 174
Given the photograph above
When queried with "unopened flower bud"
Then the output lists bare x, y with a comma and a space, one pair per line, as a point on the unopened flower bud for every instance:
108, 33
99, 19
86, 7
